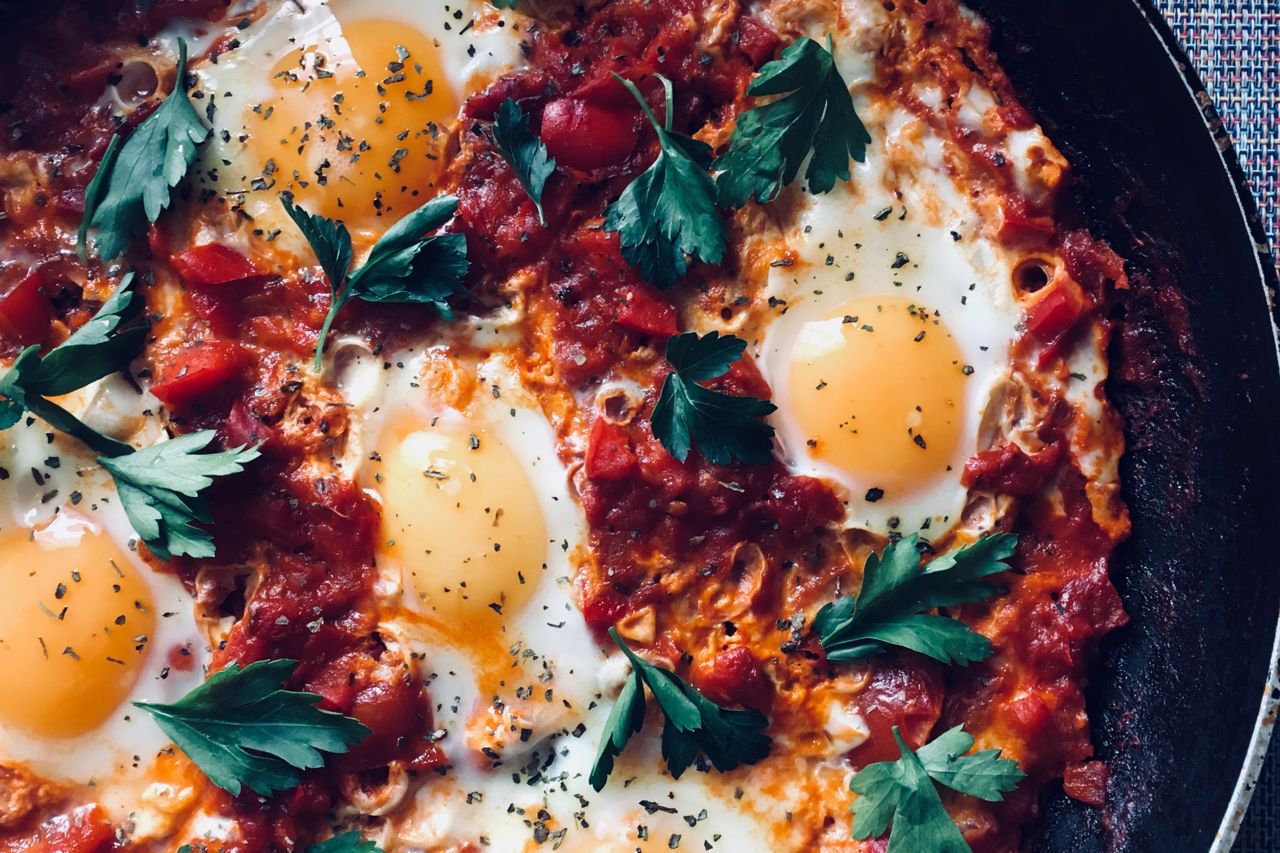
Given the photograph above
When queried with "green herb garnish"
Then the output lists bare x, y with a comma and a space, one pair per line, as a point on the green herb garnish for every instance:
403, 266
153, 160
242, 728
889, 608
524, 152
161, 489
901, 796
814, 118
724, 427
668, 213
100, 347
694, 724
347, 842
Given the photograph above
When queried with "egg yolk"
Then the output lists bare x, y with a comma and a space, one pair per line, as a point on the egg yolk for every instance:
878, 390
355, 127
462, 518
76, 621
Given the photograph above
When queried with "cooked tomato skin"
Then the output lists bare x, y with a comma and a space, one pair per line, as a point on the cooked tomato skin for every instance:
908, 695
735, 677
25, 311
211, 264
586, 135
85, 829
199, 373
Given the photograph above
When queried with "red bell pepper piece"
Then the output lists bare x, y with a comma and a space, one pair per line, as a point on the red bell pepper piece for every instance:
201, 371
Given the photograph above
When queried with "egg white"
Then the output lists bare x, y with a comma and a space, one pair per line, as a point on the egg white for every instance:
56, 508
241, 79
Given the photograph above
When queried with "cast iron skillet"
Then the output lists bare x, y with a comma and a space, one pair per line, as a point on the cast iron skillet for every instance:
1176, 698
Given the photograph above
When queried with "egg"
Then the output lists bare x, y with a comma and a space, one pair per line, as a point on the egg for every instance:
86, 626
347, 104
891, 343
479, 537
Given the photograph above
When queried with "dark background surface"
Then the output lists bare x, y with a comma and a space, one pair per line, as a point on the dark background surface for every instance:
1176, 693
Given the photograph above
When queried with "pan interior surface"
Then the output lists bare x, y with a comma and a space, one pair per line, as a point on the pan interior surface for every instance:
1175, 696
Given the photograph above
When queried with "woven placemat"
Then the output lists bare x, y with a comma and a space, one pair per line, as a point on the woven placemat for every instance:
1235, 46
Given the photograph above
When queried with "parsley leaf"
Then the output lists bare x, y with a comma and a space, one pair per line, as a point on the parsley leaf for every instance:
523, 151
694, 724
403, 266
889, 609
504, 4
93, 195
152, 161
772, 140
902, 793
669, 211
725, 427
161, 489
99, 348
241, 728
347, 842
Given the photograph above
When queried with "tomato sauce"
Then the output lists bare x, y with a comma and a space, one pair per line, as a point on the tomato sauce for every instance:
706, 545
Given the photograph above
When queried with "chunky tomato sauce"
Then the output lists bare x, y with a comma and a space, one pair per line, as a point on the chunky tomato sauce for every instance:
689, 546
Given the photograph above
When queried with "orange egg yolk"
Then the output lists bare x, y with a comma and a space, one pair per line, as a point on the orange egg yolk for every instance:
76, 622
356, 126
463, 520
878, 388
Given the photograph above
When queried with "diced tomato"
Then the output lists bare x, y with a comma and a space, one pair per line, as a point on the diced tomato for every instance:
1018, 222
211, 264
25, 311
757, 40
734, 676
198, 373
84, 830
1054, 315
394, 710
1030, 716
606, 91
242, 429
1011, 471
1086, 782
907, 695
609, 453
521, 86
602, 605
585, 135
642, 311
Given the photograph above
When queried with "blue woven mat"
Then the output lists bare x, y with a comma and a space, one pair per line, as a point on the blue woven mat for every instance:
1235, 46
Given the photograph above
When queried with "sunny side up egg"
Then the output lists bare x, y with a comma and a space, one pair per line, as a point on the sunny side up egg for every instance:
347, 104
479, 535
890, 344
86, 627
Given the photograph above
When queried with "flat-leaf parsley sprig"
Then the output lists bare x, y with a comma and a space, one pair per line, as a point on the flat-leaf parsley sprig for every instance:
694, 724
524, 152
814, 116
162, 489
403, 266
889, 609
243, 729
723, 426
346, 842
901, 796
140, 174
668, 214
104, 345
